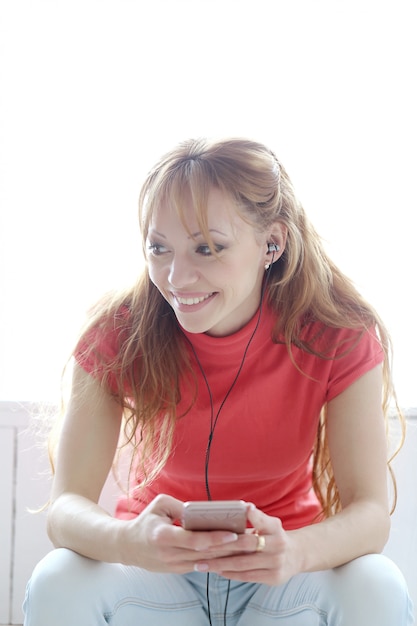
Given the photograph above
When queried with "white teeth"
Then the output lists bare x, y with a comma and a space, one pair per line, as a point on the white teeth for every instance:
190, 301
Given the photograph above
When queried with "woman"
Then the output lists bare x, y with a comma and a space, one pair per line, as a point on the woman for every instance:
242, 366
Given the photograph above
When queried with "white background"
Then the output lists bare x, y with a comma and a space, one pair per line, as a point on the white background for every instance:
92, 92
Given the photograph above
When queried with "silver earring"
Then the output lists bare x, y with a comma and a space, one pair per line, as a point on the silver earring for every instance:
267, 266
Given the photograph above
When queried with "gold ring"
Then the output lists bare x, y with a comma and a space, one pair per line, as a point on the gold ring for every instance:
261, 542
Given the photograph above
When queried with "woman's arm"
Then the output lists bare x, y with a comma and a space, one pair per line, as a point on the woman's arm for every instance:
358, 448
86, 449
85, 454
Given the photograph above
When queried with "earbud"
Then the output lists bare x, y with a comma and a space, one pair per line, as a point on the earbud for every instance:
272, 247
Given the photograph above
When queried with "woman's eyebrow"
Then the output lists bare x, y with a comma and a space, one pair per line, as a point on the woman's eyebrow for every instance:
155, 232
192, 236
210, 230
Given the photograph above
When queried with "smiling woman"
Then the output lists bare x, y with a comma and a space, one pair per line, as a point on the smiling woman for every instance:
93, 92
242, 365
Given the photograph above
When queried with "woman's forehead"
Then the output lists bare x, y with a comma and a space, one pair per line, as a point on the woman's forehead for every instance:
217, 211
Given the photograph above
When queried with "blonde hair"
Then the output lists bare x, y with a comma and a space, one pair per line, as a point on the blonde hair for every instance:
304, 285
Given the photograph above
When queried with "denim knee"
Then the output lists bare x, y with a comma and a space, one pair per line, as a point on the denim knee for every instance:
372, 590
59, 584
60, 571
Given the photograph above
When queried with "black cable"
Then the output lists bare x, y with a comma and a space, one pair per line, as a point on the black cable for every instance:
214, 420
226, 603
208, 597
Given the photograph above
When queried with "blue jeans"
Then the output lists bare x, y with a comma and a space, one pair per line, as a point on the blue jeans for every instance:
67, 589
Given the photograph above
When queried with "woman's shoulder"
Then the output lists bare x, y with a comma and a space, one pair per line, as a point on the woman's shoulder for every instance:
333, 341
101, 339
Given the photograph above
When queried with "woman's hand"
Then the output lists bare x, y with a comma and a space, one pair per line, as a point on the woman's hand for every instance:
267, 555
154, 542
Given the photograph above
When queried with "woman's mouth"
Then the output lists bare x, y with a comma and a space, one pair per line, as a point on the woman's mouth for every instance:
192, 300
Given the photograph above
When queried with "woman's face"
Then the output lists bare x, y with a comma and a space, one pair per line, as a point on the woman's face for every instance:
209, 294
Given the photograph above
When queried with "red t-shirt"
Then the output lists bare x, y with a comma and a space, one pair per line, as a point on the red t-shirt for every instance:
265, 432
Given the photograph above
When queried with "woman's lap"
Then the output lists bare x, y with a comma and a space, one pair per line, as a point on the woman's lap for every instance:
68, 589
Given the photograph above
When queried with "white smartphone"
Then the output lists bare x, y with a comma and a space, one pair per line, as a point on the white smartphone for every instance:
215, 515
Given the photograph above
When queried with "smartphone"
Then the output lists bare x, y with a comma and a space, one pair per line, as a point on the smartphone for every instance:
215, 515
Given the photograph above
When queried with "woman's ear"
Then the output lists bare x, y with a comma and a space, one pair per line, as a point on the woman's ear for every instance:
278, 236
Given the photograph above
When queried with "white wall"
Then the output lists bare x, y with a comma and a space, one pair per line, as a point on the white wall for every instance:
24, 485
93, 91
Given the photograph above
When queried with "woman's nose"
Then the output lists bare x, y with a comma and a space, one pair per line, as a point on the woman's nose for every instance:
182, 272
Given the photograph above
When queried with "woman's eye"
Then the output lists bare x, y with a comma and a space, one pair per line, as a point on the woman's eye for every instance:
204, 249
156, 249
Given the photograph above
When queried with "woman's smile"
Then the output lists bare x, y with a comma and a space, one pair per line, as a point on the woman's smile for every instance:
191, 301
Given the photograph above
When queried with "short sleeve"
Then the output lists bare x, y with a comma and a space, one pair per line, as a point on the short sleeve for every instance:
355, 356
98, 350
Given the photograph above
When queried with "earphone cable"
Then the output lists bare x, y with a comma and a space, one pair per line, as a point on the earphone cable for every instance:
208, 598
226, 602
213, 423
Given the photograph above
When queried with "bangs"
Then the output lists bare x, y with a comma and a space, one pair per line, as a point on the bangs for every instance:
187, 184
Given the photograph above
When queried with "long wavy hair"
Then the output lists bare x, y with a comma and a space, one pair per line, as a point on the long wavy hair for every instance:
151, 357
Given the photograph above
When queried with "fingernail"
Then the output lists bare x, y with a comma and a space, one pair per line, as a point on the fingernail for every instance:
230, 537
201, 567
